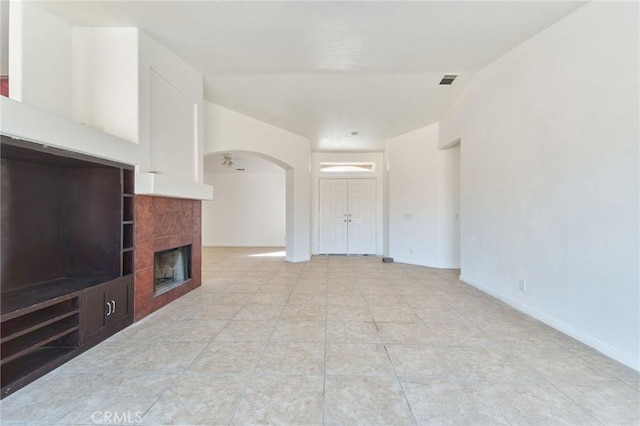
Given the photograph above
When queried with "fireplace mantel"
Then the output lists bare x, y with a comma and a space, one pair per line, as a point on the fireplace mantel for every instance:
170, 186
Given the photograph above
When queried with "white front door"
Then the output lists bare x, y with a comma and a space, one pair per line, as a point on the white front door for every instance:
347, 216
333, 216
361, 223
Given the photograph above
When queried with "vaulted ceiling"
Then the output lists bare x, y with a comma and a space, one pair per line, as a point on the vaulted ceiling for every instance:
325, 69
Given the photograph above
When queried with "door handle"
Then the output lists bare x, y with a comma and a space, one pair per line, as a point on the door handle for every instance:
114, 306
109, 306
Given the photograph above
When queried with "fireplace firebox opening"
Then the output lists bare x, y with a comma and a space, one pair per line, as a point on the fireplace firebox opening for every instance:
172, 267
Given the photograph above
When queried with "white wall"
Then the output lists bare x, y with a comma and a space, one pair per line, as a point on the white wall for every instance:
227, 130
424, 199
124, 84
449, 207
413, 195
550, 177
105, 80
173, 137
127, 84
377, 158
39, 59
171, 96
249, 209
4, 38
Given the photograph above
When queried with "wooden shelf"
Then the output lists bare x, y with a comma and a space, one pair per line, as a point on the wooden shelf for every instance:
33, 365
17, 327
22, 301
128, 214
127, 235
128, 177
127, 208
27, 343
127, 262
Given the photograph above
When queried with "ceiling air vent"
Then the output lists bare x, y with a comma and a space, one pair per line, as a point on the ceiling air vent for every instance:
448, 79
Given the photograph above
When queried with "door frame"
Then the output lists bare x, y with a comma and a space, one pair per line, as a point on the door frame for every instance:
378, 174
348, 210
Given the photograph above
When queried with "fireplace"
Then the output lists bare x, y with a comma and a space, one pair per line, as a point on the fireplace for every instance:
171, 268
165, 225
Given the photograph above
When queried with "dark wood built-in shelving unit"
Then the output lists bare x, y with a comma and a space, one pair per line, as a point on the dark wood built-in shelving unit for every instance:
67, 256
127, 221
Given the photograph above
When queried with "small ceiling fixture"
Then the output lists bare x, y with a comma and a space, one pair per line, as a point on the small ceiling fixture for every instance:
354, 133
448, 79
227, 160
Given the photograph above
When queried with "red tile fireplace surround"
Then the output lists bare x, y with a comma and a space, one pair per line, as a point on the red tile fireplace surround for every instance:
164, 223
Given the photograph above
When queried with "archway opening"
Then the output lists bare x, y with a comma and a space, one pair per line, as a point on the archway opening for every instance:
250, 207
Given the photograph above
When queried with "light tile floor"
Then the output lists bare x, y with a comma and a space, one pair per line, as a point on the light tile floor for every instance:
338, 340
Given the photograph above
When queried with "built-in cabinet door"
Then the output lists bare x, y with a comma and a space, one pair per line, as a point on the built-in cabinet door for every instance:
121, 300
93, 313
106, 309
333, 216
361, 237
347, 216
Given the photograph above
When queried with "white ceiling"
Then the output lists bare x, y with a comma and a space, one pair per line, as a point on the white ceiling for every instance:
323, 69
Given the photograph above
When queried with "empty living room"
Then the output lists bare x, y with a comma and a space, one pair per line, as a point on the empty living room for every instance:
319, 212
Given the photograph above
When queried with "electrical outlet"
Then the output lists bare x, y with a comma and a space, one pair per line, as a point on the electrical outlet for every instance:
523, 286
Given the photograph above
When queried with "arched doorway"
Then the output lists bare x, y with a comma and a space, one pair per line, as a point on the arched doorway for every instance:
249, 206
253, 201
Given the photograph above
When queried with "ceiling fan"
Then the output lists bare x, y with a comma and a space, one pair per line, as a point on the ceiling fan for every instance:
227, 160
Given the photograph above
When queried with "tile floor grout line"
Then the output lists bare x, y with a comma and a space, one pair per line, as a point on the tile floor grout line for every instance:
255, 369
395, 372
324, 375
154, 403
575, 402
399, 382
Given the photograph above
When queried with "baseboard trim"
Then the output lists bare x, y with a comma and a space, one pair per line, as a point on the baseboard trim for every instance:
253, 245
297, 259
558, 325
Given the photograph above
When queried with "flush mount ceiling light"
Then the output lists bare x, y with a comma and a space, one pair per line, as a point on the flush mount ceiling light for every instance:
227, 160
